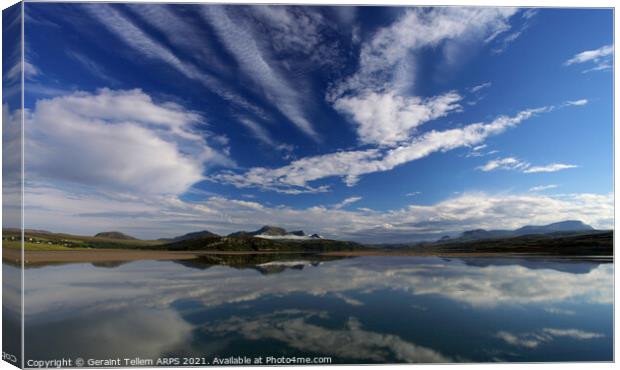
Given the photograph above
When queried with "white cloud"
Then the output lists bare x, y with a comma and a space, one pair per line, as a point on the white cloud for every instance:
139, 40
515, 164
90, 210
530, 13
259, 131
346, 202
413, 193
577, 103
476, 151
543, 187
388, 119
509, 38
480, 87
141, 43
91, 66
14, 74
601, 57
375, 95
11, 144
591, 55
518, 340
560, 311
300, 33
553, 167
535, 339
240, 42
183, 32
11, 167
419, 28
508, 163
573, 333
350, 165
117, 140
603, 66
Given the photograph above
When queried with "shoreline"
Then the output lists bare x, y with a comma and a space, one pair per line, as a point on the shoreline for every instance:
119, 255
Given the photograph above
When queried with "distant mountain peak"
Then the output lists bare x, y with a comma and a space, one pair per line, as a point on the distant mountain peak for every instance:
114, 235
563, 226
474, 232
270, 230
569, 225
193, 235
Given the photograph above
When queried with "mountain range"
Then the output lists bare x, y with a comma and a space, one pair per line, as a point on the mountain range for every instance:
279, 233
274, 232
561, 238
557, 227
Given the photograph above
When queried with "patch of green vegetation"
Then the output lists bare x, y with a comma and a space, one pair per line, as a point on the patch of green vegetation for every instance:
29, 246
53, 241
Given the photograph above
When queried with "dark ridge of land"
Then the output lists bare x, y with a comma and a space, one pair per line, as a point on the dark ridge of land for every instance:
45, 247
596, 243
254, 244
53, 241
114, 235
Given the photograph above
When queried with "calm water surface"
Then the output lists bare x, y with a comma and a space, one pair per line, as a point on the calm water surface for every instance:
366, 309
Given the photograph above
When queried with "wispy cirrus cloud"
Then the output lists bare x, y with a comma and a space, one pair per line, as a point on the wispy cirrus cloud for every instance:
576, 103
346, 202
601, 58
546, 335
543, 187
591, 55
480, 87
257, 130
515, 164
240, 42
301, 33
509, 163
14, 74
553, 167
508, 38
183, 33
145, 45
93, 67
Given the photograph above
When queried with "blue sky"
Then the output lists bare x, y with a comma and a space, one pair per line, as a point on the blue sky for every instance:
365, 123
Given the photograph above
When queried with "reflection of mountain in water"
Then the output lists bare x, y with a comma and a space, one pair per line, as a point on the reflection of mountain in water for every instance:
573, 266
263, 263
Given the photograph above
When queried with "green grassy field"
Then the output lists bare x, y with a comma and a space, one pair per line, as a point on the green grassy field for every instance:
51, 241
38, 247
